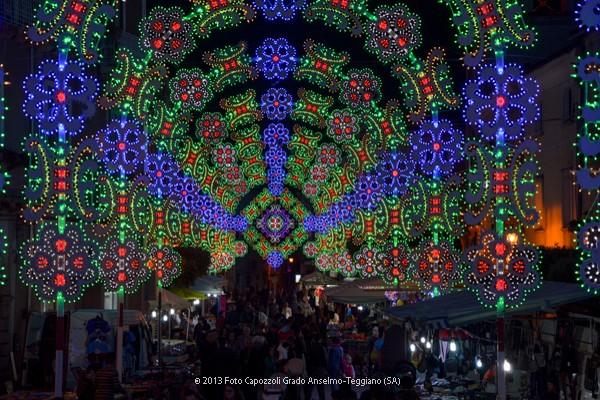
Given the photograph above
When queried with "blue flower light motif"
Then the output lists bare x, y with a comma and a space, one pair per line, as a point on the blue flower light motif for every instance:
276, 58
343, 210
163, 173
275, 259
276, 104
185, 191
437, 146
223, 223
223, 220
276, 135
240, 223
368, 192
279, 9
316, 223
275, 157
122, 146
393, 172
501, 102
205, 208
275, 188
276, 174
322, 224
310, 223
60, 96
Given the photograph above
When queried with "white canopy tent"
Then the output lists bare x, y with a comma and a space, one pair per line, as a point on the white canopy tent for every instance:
209, 285
364, 291
170, 300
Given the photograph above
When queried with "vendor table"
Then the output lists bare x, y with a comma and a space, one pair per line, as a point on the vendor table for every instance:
36, 395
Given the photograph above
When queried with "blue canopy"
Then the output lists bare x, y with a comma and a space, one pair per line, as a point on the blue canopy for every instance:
463, 308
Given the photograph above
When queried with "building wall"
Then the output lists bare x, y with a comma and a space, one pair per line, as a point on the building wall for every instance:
556, 133
561, 204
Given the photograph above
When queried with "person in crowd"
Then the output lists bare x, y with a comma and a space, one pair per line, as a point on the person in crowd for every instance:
205, 346
190, 395
232, 318
407, 389
344, 394
273, 308
286, 310
85, 385
224, 360
334, 361
231, 340
248, 314
347, 367
232, 392
162, 392
488, 384
270, 361
316, 366
271, 334
282, 350
189, 391
106, 382
552, 393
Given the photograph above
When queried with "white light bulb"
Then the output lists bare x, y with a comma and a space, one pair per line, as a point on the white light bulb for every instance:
422, 339
453, 346
165, 318
154, 314
479, 363
507, 366
428, 344
172, 311
413, 348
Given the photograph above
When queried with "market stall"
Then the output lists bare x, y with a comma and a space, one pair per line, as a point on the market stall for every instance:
461, 308
171, 349
461, 333
317, 278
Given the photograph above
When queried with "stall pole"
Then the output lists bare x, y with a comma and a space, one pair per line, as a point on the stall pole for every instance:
119, 356
499, 151
187, 332
159, 334
60, 342
501, 356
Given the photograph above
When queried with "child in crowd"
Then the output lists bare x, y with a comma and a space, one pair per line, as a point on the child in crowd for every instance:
347, 367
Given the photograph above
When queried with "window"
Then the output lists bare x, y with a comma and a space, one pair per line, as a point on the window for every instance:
538, 200
571, 210
110, 300
568, 111
549, 7
539, 122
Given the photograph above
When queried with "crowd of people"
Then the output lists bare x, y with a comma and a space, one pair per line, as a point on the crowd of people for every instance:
262, 335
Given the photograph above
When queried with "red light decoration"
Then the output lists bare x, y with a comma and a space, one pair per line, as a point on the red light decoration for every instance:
437, 266
499, 267
59, 262
166, 262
